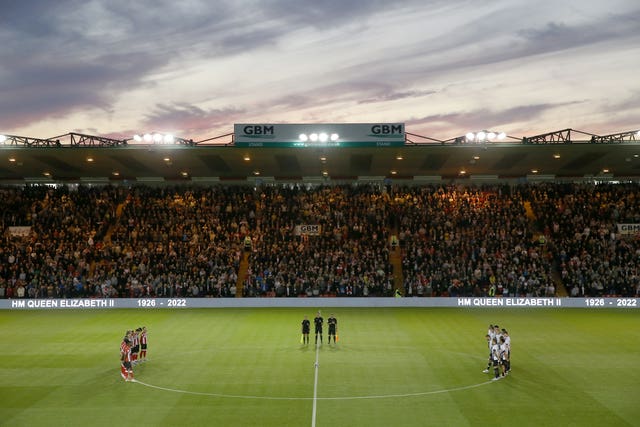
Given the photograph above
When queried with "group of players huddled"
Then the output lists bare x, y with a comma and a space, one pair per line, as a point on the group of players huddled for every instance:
133, 350
499, 343
318, 321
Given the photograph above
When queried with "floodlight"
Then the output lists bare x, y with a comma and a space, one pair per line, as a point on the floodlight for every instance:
480, 136
470, 136
303, 137
335, 136
491, 136
323, 137
157, 137
502, 135
313, 137
137, 138
147, 137
3, 138
168, 139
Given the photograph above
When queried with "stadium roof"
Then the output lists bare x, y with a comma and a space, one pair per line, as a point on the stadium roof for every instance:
97, 159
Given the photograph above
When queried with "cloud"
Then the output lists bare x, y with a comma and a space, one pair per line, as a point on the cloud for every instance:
618, 115
190, 119
629, 103
394, 96
494, 37
34, 91
75, 55
485, 118
30, 18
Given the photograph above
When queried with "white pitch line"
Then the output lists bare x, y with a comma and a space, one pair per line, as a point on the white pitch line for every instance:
232, 396
315, 388
315, 398
421, 393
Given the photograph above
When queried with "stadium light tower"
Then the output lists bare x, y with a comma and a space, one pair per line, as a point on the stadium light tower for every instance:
157, 138
485, 136
322, 137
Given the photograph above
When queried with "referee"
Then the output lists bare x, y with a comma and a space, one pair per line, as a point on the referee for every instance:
318, 321
306, 326
333, 328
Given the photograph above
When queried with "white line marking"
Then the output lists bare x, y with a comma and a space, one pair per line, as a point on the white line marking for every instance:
421, 393
315, 388
232, 396
315, 398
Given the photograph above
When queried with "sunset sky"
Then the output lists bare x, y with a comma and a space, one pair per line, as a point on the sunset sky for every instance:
194, 68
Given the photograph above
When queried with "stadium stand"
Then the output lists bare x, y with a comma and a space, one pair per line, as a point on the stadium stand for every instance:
292, 240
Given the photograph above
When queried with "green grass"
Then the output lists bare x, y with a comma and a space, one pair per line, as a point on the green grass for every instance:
391, 367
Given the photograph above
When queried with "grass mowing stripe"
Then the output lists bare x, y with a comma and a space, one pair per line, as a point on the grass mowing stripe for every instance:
315, 387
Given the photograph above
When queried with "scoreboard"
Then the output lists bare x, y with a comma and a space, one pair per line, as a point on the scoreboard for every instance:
319, 135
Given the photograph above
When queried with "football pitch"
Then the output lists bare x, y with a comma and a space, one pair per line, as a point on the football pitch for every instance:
390, 367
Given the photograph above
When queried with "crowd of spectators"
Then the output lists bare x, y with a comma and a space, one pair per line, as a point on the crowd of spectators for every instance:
463, 241
347, 254
176, 242
340, 240
592, 257
65, 231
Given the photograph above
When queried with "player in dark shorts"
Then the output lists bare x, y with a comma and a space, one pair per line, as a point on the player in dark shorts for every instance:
318, 321
306, 328
143, 344
135, 345
333, 327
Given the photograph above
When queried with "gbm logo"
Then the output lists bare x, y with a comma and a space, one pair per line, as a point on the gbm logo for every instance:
258, 130
387, 129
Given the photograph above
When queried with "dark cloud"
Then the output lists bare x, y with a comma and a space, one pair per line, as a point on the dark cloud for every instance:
485, 119
490, 39
394, 96
63, 56
294, 101
332, 13
70, 55
42, 89
32, 19
617, 115
190, 119
629, 103
557, 36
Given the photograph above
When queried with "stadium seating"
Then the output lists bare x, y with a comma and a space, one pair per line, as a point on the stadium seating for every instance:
291, 240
